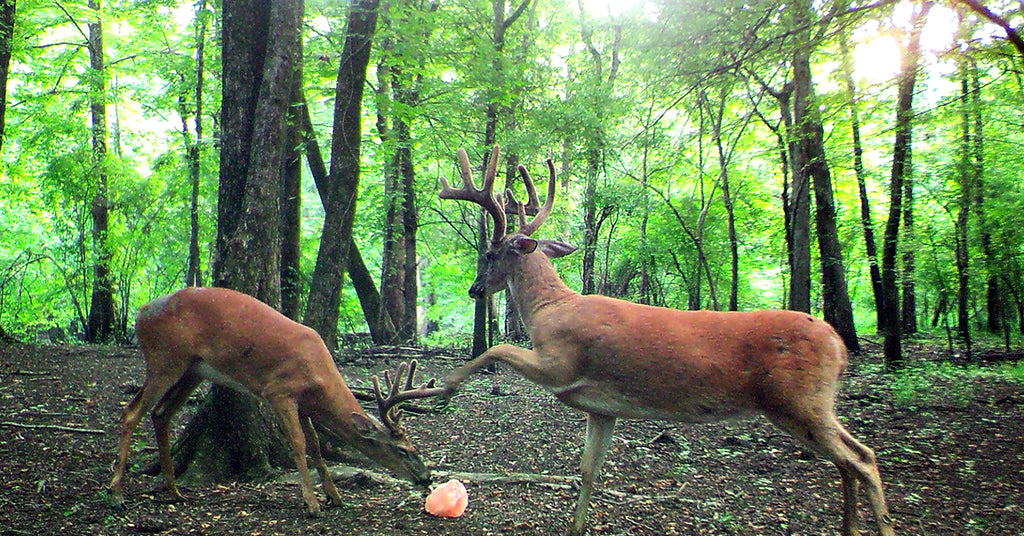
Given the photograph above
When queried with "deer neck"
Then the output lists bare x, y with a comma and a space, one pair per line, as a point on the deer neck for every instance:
534, 285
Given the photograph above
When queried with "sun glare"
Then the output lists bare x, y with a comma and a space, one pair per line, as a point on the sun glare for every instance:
877, 57
613, 8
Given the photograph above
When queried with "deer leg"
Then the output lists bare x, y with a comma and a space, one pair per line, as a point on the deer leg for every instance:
152, 390
549, 373
856, 464
459, 375
313, 447
599, 438
288, 413
866, 468
162, 414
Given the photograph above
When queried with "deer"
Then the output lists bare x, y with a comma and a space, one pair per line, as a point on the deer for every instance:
613, 359
237, 341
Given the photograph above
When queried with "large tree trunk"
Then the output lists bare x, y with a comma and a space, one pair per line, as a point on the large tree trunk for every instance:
399, 263
101, 309
343, 179
858, 167
382, 331
893, 344
232, 436
812, 167
800, 190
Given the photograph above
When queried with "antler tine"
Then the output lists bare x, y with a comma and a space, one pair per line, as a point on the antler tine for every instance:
482, 196
397, 394
515, 206
542, 213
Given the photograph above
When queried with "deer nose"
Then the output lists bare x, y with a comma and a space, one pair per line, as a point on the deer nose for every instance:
477, 291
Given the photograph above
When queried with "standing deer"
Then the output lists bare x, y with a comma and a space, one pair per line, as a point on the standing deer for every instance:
239, 342
615, 359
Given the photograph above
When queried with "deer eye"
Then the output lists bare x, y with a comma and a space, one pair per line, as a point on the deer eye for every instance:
490, 255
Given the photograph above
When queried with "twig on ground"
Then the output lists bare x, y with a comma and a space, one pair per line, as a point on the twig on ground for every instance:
52, 427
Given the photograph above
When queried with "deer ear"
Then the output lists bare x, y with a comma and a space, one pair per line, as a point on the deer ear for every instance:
524, 244
555, 249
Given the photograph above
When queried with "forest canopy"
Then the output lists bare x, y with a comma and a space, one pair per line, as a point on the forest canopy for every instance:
701, 149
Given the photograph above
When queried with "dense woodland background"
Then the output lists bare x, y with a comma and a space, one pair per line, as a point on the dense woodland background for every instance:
853, 159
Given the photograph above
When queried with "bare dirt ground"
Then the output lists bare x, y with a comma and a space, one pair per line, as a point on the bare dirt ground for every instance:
952, 462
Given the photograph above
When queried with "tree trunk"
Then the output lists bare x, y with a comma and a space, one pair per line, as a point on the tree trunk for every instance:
799, 212
963, 223
101, 309
382, 331
7, 11
893, 345
483, 307
398, 270
858, 167
811, 166
717, 115
908, 311
193, 273
232, 435
291, 206
593, 135
993, 294
342, 186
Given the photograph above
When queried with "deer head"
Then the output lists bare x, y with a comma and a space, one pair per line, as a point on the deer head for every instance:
385, 441
506, 250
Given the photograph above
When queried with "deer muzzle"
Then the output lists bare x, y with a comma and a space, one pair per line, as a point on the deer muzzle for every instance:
478, 290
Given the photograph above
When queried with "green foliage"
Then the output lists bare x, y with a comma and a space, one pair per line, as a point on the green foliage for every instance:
929, 383
632, 89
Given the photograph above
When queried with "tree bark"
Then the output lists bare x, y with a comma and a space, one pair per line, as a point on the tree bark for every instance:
343, 179
858, 167
963, 294
993, 293
399, 266
908, 310
291, 207
193, 273
232, 436
381, 328
893, 344
811, 167
7, 12
101, 309
800, 189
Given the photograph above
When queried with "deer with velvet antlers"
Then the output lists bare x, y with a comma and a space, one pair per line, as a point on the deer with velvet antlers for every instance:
237, 341
615, 359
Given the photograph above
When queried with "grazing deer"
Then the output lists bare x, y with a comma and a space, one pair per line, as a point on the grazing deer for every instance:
615, 359
239, 342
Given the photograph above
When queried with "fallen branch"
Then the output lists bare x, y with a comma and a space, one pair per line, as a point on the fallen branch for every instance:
347, 472
509, 478
20, 372
358, 474
52, 427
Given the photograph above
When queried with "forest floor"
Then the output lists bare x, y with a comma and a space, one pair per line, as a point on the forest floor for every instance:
951, 454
